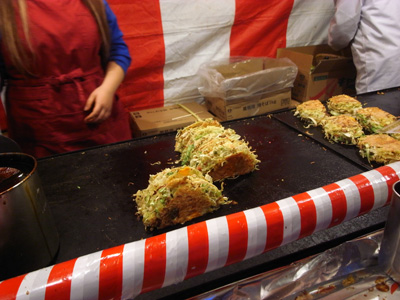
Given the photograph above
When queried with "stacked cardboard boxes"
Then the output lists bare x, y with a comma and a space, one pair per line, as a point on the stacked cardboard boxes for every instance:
166, 119
245, 87
322, 72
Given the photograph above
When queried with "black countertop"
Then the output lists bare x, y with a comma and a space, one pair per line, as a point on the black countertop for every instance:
90, 192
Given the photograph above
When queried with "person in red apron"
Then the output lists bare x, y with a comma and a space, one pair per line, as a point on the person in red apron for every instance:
64, 98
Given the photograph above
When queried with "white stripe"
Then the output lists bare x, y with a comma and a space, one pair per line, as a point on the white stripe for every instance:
291, 219
308, 22
218, 243
133, 269
33, 286
257, 232
379, 184
77, 278
353, 199
194, 32
177, 256
395, 166
26, 286
323, 206
85, 277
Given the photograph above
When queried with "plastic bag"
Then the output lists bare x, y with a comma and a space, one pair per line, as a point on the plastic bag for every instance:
238, 77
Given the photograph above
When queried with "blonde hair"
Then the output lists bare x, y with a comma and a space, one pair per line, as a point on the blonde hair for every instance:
20, 56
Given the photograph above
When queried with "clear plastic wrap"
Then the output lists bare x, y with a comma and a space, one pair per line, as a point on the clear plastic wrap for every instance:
239, 77
348, 271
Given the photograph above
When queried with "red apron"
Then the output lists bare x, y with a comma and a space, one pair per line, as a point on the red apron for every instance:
46, 114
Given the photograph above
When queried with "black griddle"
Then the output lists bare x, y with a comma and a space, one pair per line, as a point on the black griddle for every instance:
388, 100
90, 195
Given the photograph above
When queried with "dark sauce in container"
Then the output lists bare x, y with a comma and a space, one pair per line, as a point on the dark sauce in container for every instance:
9, 177
6, 173
13, 172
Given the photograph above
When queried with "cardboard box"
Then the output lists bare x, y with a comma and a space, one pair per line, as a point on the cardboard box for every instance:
245, 87
249, 106
322, 72
166, 119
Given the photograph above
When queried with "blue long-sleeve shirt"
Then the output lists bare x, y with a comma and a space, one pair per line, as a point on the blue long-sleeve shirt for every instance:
119, 51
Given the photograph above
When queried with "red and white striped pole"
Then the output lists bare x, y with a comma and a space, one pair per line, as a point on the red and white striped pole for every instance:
128, 270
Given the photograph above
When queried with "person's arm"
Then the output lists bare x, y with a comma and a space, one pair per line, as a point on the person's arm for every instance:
344, 23
119, 51
101, 99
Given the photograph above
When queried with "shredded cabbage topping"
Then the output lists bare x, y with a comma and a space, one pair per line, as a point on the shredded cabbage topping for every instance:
163, 186
373, 118
342, 129
207, 144
380, 148
395, 135
312, 112
343, 104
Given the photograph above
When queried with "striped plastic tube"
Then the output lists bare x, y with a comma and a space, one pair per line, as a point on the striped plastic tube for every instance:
128, 270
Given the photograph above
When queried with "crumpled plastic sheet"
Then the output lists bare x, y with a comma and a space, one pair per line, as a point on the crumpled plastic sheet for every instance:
254, 76
348, 271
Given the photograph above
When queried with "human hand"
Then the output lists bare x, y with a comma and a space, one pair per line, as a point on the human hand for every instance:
100, 102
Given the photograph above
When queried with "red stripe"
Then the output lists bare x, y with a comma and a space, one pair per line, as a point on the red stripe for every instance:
274, 219
198, 249
332, 89
59, 281
3, 117
110, 280
259, 29
391, 178
9, 288
331, 85
238, 237
366, 193
140, 21
155, 259
308, 214
394, 287
338, 201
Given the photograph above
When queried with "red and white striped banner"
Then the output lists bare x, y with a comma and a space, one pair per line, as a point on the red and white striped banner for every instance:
128, 270
170, 39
